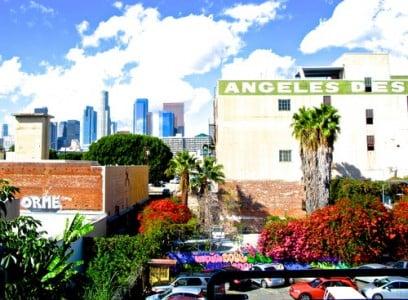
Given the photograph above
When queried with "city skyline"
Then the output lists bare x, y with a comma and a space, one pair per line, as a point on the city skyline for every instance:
176, 51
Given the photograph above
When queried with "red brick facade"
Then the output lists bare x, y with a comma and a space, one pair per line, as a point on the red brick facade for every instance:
263, 198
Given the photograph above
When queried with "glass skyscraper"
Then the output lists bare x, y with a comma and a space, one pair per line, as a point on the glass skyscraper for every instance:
166, 124
89, 126
140, 109
41, 110
4, 130
73, 131
177, 108
104, 116
52, 135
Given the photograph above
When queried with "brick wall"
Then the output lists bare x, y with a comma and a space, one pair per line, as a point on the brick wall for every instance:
263, 198
80, 183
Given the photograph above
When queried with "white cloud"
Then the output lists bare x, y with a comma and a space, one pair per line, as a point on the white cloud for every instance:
118, 5
39, 7
374, 25
260, 64
150, 56
11, 76
82, 27
250, 14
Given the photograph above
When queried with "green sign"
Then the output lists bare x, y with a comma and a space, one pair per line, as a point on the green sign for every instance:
309, 87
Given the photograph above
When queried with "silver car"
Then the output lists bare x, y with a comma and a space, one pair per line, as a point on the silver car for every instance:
370, 266
268, 282
391, 287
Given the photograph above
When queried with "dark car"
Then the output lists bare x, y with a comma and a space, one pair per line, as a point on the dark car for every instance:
237, 284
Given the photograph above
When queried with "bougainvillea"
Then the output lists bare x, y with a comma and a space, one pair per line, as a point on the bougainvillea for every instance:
398, 232
163, 211
349, 231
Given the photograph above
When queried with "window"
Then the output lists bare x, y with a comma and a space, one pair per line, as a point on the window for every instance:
327, 100
370, 143
403, 285
285, 155
284, 104
369, 116
194, 281
367, 83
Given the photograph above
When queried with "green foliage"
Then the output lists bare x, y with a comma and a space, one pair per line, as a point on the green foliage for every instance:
7, 193
70, 155
206, 171
132, 149
37, 267
361, 190
52, 154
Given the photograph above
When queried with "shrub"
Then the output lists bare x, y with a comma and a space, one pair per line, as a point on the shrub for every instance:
398, 232
349, 231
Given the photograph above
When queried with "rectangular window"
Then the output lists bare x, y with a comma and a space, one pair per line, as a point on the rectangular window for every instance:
369, 116
284, 104
285, 155
367, 83
370, 143
327, 100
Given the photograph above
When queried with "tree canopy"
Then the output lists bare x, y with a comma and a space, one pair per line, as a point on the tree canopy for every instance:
132, 149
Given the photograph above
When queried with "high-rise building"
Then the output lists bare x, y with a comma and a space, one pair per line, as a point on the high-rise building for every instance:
52, 135
178, 110
73, 131
166, 124
41, 110
62, 135
4, 130
89, 125
114, 127
140, 109
149, 123
104, 116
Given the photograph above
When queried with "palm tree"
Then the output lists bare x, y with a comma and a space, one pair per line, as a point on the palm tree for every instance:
316, 129
182, 165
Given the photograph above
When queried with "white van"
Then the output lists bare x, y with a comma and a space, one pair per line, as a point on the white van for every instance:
342, 292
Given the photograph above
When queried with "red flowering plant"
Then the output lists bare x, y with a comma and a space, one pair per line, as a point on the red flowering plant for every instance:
163, 212
349, 231
398, 231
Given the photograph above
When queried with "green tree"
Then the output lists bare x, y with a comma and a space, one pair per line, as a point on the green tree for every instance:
316, 129
37, 267
132, 149
7, 194
182, 165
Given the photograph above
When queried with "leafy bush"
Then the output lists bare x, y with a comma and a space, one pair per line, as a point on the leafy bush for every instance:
165, 212
398, 233
349, 231
132, 149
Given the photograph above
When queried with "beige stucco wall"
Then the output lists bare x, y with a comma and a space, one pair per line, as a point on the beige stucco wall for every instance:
360, 65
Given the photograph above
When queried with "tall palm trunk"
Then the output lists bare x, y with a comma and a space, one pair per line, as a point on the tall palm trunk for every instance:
184, 182
325, 158
310, 178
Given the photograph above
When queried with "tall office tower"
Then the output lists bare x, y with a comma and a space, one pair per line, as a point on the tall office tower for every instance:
41, 110
52, 135
114, 127
4, 130
166, 123
73, 131
150, 123
104, 116
178, 110
140, 109
62, 135
89, 124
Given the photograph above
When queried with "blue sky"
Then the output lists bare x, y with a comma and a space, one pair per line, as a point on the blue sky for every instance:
61, 54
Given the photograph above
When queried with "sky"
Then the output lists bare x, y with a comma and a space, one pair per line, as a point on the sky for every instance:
62, 54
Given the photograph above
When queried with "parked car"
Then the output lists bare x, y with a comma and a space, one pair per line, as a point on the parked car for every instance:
268, 282
401, 264
179, 293
390, 287
316, 288
342, 292
370, 266
196, 281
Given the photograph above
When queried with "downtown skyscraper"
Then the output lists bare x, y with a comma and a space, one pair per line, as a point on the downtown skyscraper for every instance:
140, 110
104, 127
89, 126
178, 110
166, 124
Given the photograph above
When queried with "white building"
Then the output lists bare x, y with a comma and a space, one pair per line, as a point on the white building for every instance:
254, 138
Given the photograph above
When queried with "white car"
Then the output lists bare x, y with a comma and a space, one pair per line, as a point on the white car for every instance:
390, 287
370, 266
268, 282
183, 292
196, 281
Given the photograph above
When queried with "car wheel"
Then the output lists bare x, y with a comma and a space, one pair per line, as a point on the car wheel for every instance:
377, 297
304, 297
263, 284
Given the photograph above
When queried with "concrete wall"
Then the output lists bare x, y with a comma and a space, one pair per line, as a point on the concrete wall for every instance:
125, 186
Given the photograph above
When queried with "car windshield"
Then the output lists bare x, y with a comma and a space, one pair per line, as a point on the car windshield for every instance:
381, 282
165, 293
314, 283
270, 269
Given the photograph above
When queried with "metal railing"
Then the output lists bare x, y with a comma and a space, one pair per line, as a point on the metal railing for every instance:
226, 276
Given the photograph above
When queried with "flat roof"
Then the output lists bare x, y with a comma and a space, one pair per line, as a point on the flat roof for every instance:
31, 115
